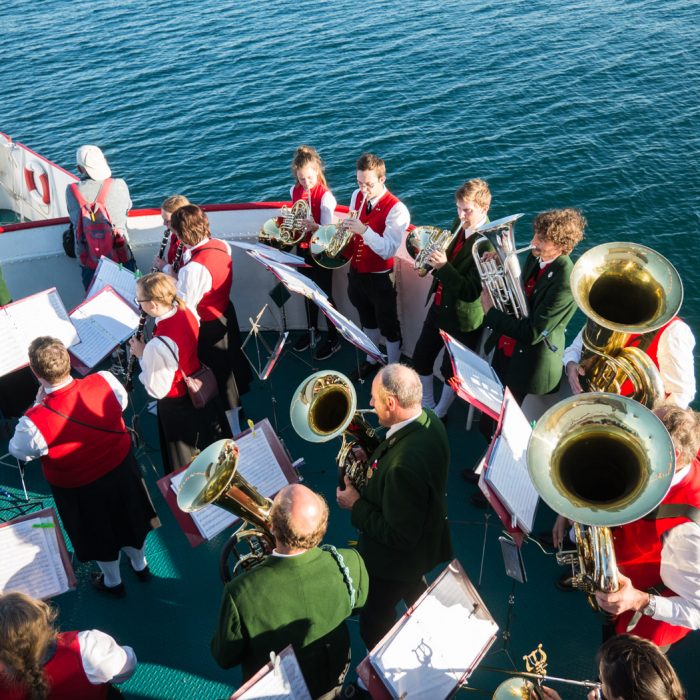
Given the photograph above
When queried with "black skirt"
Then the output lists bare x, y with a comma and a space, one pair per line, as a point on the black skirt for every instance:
184, 429
112, 512
220, 349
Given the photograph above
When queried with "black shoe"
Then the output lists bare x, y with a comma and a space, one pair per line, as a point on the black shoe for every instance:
479, 500
565, 582
144, 574
98, 581
470, 476
330, 347
353, 690
303, 342
366, 370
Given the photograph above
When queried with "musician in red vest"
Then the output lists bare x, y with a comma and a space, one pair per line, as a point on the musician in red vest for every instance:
659, 556
171, 263
310, 185
38, 661
379, 230
77, 430
165, 361
670, 348
204, 283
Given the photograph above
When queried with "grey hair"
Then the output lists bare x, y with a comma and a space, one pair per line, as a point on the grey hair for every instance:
402, 382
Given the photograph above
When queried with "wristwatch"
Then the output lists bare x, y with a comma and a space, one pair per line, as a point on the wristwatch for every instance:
650, 608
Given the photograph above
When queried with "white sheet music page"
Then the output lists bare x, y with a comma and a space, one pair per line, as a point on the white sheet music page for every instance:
112, 274
103, 321
476, 376
31, 560
435, 646
507, 472
286, 681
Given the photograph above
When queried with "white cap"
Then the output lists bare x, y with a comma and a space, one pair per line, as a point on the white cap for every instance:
93, 162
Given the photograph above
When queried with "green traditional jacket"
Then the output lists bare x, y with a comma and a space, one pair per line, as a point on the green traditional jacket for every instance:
301, 600
536, 367
402, 511
460, 306
5, 297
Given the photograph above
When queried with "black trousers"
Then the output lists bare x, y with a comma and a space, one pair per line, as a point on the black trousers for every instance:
430, 343
374, 297
379, 613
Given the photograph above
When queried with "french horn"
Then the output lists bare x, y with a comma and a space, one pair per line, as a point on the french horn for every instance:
624, 289
289, 227
600, 460
423, 241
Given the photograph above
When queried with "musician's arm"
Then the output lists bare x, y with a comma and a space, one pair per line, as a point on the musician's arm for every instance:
328, 205
193, 282
229, 645
676, 363
27, 442
385, 245
158, 367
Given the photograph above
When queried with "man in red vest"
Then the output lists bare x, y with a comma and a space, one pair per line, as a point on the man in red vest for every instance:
77, 430
379, 228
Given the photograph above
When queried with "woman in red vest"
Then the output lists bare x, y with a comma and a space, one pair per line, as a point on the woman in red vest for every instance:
165, 361
310, 185
204, 283
38, 662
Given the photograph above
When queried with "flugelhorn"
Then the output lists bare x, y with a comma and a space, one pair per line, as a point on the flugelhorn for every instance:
624, 289
599, 460
324, 407
501, 277
289, 227
423, 241
328, 242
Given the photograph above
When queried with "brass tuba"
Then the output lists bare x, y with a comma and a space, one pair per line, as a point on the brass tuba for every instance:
289, 227
325, 406
501, 277
328, 242
423, 241
213, 478
624, 289
600, 460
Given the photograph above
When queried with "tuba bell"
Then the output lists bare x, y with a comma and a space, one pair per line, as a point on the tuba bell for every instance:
328, 242
289, 227
213, 478
600, 460
624, 289
423, 241
324, 407
501, 278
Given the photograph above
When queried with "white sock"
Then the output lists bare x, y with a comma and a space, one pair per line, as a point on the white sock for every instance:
393, 351
233, 420
375, 336
446, 399
137, 557
111, 573
426, 381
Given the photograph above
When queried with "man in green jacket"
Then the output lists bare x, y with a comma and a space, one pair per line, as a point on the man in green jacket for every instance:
455, 291
402, 511
300, 595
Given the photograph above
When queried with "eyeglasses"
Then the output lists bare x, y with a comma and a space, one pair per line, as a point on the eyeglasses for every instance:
140, 301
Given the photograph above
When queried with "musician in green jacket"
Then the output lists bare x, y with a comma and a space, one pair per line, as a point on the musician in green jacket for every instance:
402, 511
456, 307
300, 595
529, 351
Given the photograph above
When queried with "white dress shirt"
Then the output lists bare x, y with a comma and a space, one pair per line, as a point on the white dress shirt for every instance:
328, 205
158, 366
28, 443
104, 661
675, 357
397, 221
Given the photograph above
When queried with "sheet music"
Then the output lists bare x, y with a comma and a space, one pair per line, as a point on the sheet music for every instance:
284, 682
104, 321
281, 256
434, 647
292, 279
31, 560
122, 281
27, 319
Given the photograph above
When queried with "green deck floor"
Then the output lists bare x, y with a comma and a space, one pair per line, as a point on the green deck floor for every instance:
169, 620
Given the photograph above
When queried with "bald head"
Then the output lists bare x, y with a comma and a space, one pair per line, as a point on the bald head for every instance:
299, 518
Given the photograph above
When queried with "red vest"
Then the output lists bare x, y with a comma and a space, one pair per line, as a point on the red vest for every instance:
214, 256
65, 675
317, 192
638, 554
635, 340
79, 454
182, 328
172, 249
363, 258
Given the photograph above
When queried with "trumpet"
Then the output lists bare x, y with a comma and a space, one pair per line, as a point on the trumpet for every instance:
288, 228
423, 241
329, 241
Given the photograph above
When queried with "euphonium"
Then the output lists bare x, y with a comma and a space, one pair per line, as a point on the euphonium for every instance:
624, 289
288, 228
213, 478
423, 241
324, 407
599, 460
328, 242
501, 277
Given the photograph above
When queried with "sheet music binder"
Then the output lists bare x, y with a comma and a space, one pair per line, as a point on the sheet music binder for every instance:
279, 679
187, 524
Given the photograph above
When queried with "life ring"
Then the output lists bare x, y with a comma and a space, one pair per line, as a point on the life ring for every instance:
36, 177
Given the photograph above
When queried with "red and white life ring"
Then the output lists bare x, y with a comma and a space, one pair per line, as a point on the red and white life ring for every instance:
36, 177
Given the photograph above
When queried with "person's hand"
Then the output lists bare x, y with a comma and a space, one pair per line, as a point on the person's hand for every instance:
573, 372
310, 226
348, 496
159, 263
548, 693
354, 225
594, 694
137, 347
489, 255
486, 301
438, 258
561, 524
627, 597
